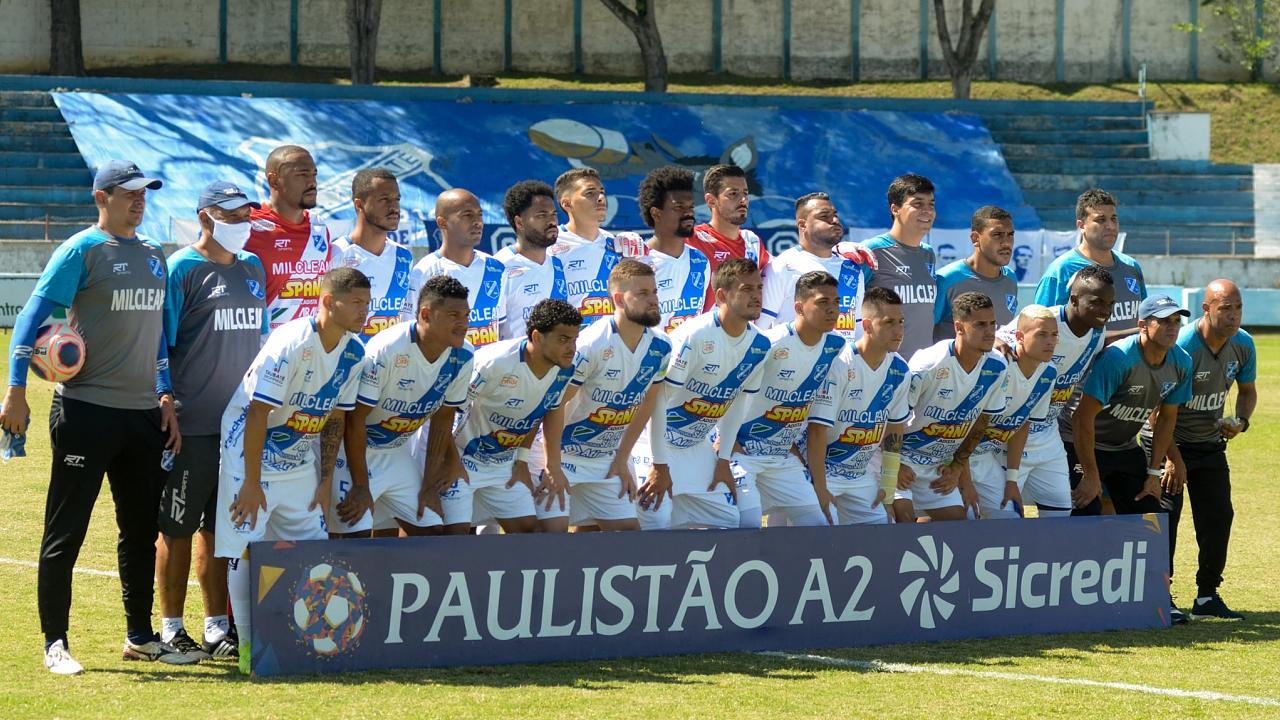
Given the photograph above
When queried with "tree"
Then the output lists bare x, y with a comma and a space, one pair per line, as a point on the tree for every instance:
644, 25
1251, 31
363, 17
66, 51
962, 57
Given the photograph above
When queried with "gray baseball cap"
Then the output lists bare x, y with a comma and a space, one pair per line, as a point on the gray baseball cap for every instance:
122, 173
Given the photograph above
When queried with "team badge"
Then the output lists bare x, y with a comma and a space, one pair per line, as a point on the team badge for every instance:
491, 289
698, 280
1165, 387
1132, 284
402, 361
255, 288
156, 267
708, 347
1011, 302
1233, 368
319, 242
608, 353
942, 374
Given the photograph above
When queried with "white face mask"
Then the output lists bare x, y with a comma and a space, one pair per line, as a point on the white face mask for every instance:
231, 236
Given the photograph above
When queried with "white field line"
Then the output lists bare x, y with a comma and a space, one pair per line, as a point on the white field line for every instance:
78, 570
887, 667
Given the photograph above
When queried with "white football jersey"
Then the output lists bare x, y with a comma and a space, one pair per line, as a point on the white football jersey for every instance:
506, 403
612, 382
483, 280
587, 264
708, 369
524, 283
303, 384
1026, 398
682, 284
780, 278
404, 388
857, 403
388, 275
794, 373
945, 400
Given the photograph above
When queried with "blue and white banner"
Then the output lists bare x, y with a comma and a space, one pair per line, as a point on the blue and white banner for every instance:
326, 606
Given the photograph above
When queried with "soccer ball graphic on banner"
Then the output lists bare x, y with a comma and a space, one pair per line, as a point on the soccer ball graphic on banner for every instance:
329, 609
58, 353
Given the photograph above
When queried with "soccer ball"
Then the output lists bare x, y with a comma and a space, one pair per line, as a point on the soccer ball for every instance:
58, 353
329, 609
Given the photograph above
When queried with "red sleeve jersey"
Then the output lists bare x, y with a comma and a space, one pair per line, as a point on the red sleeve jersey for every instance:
296, 256
719, 248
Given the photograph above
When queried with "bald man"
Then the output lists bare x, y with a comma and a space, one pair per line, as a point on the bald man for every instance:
1221, 354
293, 246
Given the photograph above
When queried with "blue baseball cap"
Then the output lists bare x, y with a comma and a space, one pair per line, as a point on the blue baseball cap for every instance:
225, 195
1160, 306
122, 173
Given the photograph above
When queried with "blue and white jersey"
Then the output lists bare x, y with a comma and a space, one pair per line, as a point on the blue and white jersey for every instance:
780, 278
404, 388
1130, 389
587, 264
1026, 398
505, 404
303, 384
388, 275
708, 370
857, 403
958, 278
483, 280
524, 283
612, 381
794, 373
1130, 286
682, 284
945, 401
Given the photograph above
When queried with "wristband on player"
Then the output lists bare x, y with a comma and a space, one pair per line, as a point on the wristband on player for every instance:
1155, 472
522, 455
1011, 475
889, 465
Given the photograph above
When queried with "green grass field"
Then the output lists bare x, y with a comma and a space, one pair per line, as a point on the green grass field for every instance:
1025, 676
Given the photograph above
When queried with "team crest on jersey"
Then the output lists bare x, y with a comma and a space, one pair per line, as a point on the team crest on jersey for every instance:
698, 280
1166, 386
560, 289
1011, 302
156, 267
852, 375
708, 347
402, 361
781, 354
319, 242
491, 289
1132, 284
1233, 368
744, 371
509, 381
608, 353
929, 267
942, 374
256, 289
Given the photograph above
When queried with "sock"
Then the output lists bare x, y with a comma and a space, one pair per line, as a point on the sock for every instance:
171, 626
238, 592
1051, 512
140, 638
1203, 599
215, 628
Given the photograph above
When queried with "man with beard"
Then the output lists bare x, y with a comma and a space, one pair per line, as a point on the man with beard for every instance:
376, 195
818, 223
985, 271
293, 246
724, 190
610, 400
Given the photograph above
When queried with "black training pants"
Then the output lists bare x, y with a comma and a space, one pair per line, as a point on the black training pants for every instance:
90, 440
1209, 485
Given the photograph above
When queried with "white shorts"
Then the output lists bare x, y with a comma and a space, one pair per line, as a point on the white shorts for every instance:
487, 496
853, 501
1045, 479
286, 516
596, 501
641, 463
706, 510
395, 478
782, 487
987, 472
922, 496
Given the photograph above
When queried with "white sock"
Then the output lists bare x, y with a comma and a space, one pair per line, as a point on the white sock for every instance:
171, 627
238, 592
215, 628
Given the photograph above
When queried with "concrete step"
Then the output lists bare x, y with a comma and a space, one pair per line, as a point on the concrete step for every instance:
1037, 150
1159, 214
1122, 184
33, 211
1056, 123
1087, 137
1215, 198
33, 230
38, 143
30, 114
1188, 232
23, 159
26, 98
46, 176
1144, 246
41, 194
23, 127
1123, 166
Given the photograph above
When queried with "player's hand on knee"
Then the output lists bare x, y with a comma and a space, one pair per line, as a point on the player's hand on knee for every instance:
1012, 495
656, 486
1174, 478
553, 486
724, 476
247, 503
520, 474
621, 469
357, 503
1089, 488
906, 476
969, 496
1151, 488
948, 478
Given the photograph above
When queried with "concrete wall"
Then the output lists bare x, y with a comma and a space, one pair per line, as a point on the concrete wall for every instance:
147, 31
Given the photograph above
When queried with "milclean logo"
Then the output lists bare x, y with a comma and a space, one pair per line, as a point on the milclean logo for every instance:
921, 595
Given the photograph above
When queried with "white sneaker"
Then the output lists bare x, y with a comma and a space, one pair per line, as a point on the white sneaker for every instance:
156, 650
59, 661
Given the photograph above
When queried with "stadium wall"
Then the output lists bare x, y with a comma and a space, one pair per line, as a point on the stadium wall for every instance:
1029, 40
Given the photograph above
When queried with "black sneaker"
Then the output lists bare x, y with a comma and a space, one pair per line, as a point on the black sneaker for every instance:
183, 643
1176, 616
1213, 608
228, 648
155, 651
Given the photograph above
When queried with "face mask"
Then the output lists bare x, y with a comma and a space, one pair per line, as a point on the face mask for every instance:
231, 237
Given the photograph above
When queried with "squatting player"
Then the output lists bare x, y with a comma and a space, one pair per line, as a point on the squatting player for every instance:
269, 486
854, 439
986, 271
376, 196
587, 250
415, 372
715, 357
762, 428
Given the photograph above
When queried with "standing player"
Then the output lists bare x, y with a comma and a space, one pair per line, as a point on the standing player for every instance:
994, 465
413, 373
904, 262
516, 387
1099, 226
610, 399
762, 428
1046, 478
856, 423
376, 196
461, 224
530, 274
820, 230
724, 190
293, 246
215, 321
116, 416
1222, 354
307, 370
715, 357
587, 251
985, 271
957, 386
